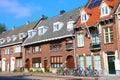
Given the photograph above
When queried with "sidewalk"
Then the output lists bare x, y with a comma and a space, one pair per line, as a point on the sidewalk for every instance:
46, 75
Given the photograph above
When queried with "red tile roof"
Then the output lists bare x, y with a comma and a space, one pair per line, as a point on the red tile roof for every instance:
94, 14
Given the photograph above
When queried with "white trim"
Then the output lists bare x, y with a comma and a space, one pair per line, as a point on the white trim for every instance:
117, 9
11, 44
47, 40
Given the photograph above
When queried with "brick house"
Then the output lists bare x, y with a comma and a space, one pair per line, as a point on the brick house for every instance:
51, 45
11, 47
96, 36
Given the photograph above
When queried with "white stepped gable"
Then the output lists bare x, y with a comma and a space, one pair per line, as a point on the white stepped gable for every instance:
105, 9
42, 30
57, 26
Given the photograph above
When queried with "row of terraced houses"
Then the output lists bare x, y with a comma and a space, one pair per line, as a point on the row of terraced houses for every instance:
88, 35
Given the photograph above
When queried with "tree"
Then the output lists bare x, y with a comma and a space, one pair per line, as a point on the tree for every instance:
2, 28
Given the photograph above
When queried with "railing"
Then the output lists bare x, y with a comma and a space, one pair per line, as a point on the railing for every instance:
95, 46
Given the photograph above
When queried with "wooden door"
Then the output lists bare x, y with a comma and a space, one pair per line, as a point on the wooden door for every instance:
45, 65
70, 62
27, 64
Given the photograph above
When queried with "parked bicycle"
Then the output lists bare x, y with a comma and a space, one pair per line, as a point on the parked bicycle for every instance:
78, 72
91, 72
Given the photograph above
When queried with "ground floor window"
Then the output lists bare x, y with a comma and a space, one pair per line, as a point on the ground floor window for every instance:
97, 64
36, 62
81, 61
56, 61
88, 61
18, 62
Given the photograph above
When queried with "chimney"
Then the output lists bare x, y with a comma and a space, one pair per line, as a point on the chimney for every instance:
62, 12
13, 27
27, 22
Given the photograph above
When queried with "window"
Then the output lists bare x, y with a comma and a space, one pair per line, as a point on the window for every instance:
36, 49
84, 17
80, 39
56, 62
42, 30
97, 64
8, 39
31, 33
14, 37
17, 49
36, 63
27, 50
88, 61
55, 47
81, 61
8, 50
108, 35
57, 26
18, 62
70, 25
2, 41
104, 9
22, 35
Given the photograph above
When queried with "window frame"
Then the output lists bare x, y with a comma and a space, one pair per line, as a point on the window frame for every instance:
80, 39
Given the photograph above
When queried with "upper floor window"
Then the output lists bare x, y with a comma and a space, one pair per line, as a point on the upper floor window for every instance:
36, 49
57, 26
27, 50
70, 25
8, 39
14, 37
105, 10
80, 39
42, 30
17, 48
84, 17
108, 35
55, 46
8, 50
2, 41
31, 33
22, 35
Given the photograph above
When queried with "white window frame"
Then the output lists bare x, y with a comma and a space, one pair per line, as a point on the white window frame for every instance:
84, 17
2, 41
17, 48
31, 33
19, 62
80, 39
81, 61
97, 62
57, 26
22, 35
14, 37
103, 9
109, 35
8, 39
42, 30
70, 25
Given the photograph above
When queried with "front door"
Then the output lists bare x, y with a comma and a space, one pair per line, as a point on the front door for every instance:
45, 65
27, 65
70, 62
111, 64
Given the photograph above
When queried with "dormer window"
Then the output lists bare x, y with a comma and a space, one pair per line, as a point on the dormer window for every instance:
84, 17
70, 25
31, 33
14, 37
42, 30
8, 39
57, 26
22, 35
2, 41
105, 10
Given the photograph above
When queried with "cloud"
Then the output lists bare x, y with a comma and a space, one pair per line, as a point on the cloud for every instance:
17, 8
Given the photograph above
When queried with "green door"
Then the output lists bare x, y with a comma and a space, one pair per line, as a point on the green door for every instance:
111, 64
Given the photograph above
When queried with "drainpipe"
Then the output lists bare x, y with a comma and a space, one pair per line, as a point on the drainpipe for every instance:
74, 47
